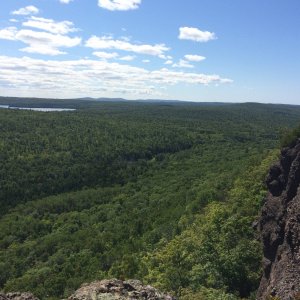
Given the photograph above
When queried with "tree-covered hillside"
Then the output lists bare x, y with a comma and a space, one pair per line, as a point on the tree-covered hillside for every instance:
163, 192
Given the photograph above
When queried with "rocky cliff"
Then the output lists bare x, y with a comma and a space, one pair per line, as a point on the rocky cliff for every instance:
17, 296
279, 226
105, 290
118, 290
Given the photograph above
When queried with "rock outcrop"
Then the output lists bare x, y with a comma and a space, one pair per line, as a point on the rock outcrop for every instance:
17, 296
112, 289
118, 290
279, 226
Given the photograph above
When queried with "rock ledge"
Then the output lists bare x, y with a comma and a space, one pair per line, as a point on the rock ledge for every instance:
112, 289
118, 290
17, 296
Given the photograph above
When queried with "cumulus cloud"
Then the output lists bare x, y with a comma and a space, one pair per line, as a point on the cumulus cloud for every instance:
91, 77
105, 55
166, 57
8, 33
195, 34
169, 62
119, 4
127, 58
183, 64
40, 42
195, 58
25, 11
46, 43
65, 1
50, 25
107, 42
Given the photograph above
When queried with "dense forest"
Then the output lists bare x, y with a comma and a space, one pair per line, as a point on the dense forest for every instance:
164, 192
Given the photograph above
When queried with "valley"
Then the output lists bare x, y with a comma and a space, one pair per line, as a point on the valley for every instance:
161, 192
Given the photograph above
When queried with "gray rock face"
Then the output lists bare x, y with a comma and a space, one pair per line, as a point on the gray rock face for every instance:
279, 226
118, 290
17, 296
105, 290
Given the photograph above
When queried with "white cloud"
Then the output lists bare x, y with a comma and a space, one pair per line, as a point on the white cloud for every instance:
146, 61
40, 42
171, 77
73, 78
13, 20
169, 62
46, 43
41, 49
125, 38
8, 33
195, 34
28, 10
183, 64
105, 42
193, 57
127, 58
119, 4
65, 1
50, 25
105, 55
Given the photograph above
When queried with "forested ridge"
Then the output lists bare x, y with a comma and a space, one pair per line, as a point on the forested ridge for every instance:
162, 192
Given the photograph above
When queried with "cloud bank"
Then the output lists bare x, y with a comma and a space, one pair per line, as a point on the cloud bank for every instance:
91, 77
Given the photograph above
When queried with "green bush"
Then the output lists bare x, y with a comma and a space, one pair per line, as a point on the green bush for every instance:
289, 137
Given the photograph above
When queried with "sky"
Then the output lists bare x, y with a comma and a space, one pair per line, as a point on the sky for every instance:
195, 50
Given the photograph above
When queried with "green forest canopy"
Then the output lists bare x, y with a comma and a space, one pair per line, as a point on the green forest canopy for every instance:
162, 192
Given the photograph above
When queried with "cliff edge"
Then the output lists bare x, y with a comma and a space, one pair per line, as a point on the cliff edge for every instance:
111, 289
279, 226
114, 289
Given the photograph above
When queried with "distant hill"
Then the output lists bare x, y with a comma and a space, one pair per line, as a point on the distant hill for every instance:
86, 102
75, 101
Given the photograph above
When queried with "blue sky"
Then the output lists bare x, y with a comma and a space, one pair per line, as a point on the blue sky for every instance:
212, 50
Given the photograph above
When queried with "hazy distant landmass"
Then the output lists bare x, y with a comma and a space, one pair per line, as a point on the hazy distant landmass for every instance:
87, 102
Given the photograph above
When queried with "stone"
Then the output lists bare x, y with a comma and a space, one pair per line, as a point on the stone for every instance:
114, 289
279, 227
17, 296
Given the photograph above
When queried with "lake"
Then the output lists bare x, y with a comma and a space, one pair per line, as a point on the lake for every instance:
44, 109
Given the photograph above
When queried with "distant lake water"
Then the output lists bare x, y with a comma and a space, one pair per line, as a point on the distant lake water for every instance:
44, 109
